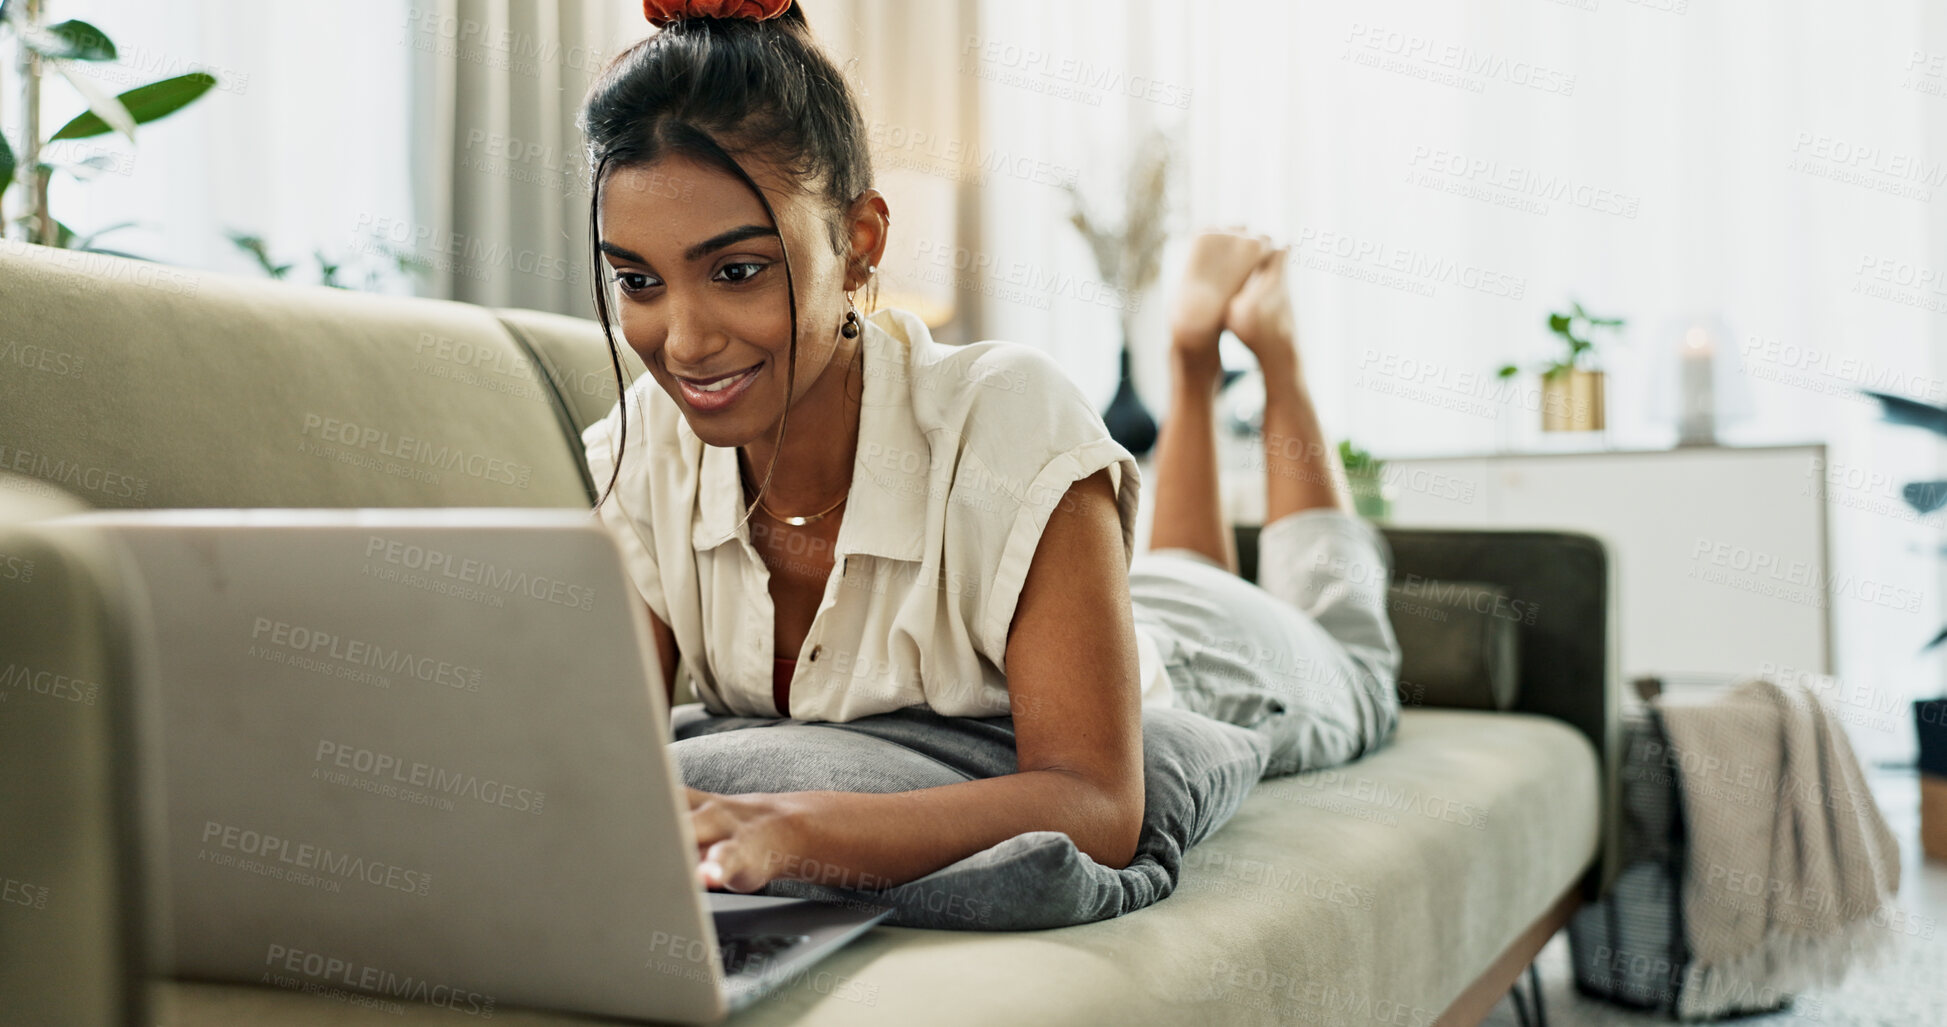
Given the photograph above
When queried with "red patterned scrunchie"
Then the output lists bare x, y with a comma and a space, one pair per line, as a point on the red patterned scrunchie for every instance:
662, 12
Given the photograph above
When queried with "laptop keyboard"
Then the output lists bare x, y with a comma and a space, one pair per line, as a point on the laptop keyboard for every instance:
754, 952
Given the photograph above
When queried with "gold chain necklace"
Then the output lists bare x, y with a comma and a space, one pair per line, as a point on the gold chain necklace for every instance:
797, 522
808, 518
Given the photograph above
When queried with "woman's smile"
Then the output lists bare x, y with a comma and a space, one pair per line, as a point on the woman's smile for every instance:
716, 392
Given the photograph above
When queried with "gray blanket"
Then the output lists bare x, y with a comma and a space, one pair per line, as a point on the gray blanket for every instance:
1196, 772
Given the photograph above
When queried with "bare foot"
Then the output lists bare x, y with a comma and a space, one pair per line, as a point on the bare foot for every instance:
1261, 317
1220, 263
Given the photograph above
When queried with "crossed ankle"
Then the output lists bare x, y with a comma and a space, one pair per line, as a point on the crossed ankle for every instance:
1284, 381
1196, 362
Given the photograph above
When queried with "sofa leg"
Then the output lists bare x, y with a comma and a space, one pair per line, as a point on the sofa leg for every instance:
1539, 1016
1503, 977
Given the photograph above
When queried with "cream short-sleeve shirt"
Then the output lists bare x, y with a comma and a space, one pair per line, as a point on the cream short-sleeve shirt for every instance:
963, 452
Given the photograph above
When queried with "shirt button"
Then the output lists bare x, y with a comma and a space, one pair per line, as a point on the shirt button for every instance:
815, 650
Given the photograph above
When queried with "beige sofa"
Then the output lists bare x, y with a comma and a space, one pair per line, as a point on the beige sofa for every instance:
1410, 887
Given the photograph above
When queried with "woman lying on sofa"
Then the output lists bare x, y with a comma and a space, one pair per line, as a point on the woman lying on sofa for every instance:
865, 542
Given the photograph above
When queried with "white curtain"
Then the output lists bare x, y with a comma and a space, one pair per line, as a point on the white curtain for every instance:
922, 126
499, 207
1453, 172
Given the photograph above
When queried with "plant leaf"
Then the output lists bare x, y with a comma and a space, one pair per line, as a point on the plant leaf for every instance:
1558, 323
254, 245
1901, 410
1925, 496
84, 170
1356, 460
6, 163
38, 39
89, 239
1507, 371
327, 271
118, 253
144, 103
101, 102
70, 40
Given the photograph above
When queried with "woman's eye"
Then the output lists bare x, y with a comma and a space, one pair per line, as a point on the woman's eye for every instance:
633, 282
743, 271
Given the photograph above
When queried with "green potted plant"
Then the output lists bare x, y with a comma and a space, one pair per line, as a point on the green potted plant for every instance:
1571, 389
63, 48
1929, 715
1364, 480
383, 261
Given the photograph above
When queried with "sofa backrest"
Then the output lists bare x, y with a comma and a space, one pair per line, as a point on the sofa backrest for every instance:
1559, 585
133, 384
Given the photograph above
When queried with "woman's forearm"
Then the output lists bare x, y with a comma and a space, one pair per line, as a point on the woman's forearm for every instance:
873, 841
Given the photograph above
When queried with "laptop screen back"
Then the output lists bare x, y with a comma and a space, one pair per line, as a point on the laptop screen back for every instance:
418, 755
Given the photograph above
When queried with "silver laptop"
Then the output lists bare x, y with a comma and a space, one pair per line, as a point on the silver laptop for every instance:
421, 756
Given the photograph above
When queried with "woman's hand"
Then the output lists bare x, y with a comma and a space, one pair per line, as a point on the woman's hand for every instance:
744, 842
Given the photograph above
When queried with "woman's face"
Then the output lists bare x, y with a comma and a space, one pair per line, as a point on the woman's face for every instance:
701, 294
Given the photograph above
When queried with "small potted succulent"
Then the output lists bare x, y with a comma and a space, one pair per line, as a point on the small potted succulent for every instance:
1571, 389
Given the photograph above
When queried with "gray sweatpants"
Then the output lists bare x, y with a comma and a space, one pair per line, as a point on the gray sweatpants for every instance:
1306, 657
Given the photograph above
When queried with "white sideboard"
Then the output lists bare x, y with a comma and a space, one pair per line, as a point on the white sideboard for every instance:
1719, 553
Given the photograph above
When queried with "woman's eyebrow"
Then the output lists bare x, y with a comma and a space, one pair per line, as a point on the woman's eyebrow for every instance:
621, 254
700, 250
722, 239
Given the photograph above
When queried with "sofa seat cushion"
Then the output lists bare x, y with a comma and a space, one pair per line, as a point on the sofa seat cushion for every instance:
1370, 893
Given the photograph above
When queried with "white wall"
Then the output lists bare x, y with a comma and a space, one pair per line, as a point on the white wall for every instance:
1737, 160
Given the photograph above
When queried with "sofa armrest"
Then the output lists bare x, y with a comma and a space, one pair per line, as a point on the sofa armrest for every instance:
1562, 583
74, 941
